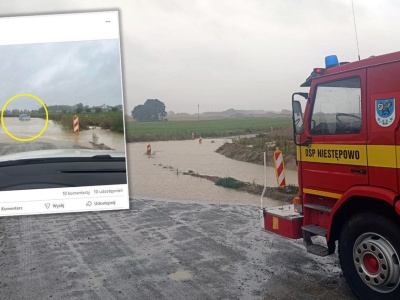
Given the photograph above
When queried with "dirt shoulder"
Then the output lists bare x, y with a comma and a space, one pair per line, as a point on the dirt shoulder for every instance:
255, 156
248, 149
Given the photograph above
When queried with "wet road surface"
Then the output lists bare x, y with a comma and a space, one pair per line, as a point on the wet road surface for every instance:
159, 250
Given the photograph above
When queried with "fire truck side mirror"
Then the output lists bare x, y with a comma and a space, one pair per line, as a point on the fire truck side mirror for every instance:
297, 116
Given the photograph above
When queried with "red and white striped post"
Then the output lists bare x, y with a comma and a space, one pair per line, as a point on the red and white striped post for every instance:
148, 151
279, 168
76, 124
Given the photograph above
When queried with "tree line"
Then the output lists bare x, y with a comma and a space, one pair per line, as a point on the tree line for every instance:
77, 108
152, 110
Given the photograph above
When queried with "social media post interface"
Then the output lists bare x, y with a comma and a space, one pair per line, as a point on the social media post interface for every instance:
62, 137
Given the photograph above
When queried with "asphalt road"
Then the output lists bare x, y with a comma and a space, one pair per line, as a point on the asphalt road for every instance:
160, 250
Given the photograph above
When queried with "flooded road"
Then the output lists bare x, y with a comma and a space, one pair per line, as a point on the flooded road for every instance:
160, 175
58, 137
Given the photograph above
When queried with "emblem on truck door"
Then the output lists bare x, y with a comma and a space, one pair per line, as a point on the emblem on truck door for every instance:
385, 113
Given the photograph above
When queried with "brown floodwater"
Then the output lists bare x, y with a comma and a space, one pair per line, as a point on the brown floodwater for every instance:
55, 134
159, 176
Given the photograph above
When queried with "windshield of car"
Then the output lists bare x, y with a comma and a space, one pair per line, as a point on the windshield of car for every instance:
61, 95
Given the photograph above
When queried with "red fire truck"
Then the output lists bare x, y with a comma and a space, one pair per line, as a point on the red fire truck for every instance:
348, 154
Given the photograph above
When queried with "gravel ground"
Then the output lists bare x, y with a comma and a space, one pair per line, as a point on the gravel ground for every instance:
160, 250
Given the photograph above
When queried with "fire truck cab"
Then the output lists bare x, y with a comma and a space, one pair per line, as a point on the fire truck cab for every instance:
348, 154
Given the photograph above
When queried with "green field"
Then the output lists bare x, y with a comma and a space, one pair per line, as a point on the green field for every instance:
182, 130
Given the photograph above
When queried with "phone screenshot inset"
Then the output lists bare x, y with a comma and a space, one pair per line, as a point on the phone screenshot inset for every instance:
62, 139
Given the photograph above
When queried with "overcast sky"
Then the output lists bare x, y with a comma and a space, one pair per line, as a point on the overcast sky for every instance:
66, 73
242, 54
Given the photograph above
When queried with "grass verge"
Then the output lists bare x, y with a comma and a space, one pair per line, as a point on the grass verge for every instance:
284, 194
230, 183
106, 120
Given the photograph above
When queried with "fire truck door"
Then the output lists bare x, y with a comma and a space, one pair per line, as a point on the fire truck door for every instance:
336, 159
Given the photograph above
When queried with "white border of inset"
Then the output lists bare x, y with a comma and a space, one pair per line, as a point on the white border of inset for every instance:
53, 28
59, 28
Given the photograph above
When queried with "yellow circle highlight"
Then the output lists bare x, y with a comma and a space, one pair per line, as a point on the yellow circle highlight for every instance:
4, 125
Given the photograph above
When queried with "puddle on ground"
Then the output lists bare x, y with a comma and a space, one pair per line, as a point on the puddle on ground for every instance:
180, 275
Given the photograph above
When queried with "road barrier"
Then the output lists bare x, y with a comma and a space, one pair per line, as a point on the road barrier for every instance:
279, 168
76, 124
148, 149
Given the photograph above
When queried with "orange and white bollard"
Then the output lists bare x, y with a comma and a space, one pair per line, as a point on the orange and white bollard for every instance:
192, 135
76, 124
148, 149
200, 139
279, 168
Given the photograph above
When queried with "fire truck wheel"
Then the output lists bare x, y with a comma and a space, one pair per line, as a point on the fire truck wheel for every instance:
369, 248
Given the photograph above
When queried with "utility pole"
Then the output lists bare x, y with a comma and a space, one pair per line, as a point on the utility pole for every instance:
198, 112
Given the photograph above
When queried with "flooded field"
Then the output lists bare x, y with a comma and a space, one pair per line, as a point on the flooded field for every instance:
58, 137
160, 176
